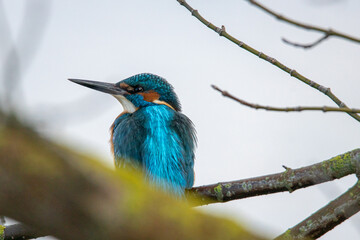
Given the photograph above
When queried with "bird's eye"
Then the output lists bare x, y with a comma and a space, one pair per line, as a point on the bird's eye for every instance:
138, 89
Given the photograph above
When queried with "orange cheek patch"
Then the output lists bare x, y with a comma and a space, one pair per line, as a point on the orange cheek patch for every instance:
150, 96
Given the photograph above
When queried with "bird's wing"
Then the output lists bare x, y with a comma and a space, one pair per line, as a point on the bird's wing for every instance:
184, 128
127, 136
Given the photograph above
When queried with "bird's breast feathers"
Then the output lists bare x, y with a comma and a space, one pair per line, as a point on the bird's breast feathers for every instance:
160, 140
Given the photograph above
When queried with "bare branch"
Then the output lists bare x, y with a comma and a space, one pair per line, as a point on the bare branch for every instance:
288, 181
222, 32
287, 109
327, 32
306, 46
327, 217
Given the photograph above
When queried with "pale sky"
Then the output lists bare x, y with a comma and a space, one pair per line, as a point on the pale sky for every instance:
111, 40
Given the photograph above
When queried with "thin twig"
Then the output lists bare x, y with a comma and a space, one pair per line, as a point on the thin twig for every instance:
287, 181
326, 218
327, 32
306, 46
222, 32
286, 109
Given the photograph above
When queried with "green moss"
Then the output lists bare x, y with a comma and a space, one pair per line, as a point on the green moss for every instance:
218, 192
302, 229
285, 236
228, 185
340, 165
2, 230
244, 186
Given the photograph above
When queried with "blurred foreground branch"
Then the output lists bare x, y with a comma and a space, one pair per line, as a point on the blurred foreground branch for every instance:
70, 196
222, 32
327, 32
287, 109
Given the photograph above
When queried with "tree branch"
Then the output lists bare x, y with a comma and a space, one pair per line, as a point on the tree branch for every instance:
310, 45
74, 197
287, 109
288, 181
222, 32
327, 217
327, 32
19, 231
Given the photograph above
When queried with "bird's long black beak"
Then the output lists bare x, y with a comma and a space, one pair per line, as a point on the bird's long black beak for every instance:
100, 86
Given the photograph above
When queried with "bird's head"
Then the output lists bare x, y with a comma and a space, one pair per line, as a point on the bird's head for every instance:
138, 91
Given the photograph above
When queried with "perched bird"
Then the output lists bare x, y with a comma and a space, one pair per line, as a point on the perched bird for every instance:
151, 133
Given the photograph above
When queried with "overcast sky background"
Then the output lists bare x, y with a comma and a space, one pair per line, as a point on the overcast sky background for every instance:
47, 42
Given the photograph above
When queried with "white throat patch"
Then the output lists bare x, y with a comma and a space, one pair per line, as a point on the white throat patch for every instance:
127, 105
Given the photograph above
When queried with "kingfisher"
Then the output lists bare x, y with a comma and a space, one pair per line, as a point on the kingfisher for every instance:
151, 134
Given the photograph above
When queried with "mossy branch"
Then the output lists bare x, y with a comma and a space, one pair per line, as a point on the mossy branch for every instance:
327, 32
327, 217
317, 224
286, 109
71, 196
222, 32
288, 181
